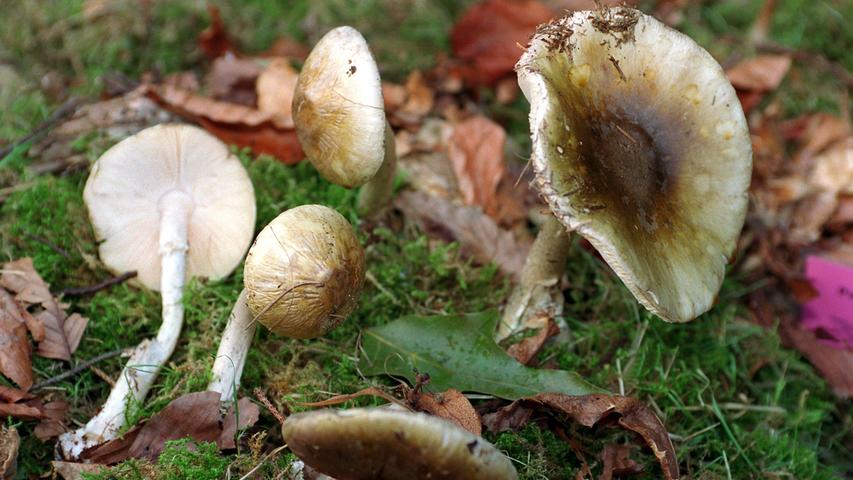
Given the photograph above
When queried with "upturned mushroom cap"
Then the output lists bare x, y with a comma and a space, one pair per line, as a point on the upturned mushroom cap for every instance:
640, 145
125, 195
338, 109
304, 272
380, 444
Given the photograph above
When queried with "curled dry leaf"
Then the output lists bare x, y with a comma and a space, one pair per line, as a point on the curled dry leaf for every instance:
478, 235
232, 79
275, 86
589, 410
213, 40
490, 36
62, 333
617, 462
10, 441
419, 100
476, 153
53, 423
762, 73
263, 132
451, 405
15, 353
527, 349
195, 415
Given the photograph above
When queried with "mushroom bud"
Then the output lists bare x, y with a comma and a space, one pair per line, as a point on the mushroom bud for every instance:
389, 444
170, 202
641, 146
340, 118
302, 277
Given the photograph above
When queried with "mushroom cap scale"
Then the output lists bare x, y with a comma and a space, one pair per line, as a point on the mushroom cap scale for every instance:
129, 184
382, 443
304, 273
338, 109
641, 146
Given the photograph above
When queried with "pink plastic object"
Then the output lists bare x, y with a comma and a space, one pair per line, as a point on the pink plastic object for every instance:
830, 314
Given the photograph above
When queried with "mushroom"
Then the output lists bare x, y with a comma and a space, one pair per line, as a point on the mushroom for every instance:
641, 146
340, 118
302, 277
170, 202
383, 443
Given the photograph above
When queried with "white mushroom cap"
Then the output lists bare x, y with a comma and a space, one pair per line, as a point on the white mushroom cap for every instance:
127, 185
387, 444
640, 145
338, 109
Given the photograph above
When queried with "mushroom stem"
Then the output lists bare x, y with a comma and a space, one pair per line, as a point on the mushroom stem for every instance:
539, 288
233, 349
376, 194
144, 364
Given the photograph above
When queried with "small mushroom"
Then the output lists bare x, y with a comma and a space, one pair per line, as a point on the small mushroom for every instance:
340, 118
302, 278
641, 146
170, 202
389, 444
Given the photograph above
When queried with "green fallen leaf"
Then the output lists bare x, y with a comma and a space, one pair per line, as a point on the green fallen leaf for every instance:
459, 351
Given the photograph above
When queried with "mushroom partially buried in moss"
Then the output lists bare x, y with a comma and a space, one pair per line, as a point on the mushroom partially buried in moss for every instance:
302, 277
641, 146
340, 118
170, 202
388, 444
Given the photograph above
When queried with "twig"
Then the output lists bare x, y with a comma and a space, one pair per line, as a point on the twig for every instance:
262, 397
79, 368
48, 244
75, 291
66, 109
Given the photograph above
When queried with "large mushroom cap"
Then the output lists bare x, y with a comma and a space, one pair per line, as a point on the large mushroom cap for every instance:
640, 145
125, 195
304, 272
385, 444
338, 109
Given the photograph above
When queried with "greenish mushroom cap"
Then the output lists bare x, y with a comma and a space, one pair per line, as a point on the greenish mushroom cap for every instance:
641, 146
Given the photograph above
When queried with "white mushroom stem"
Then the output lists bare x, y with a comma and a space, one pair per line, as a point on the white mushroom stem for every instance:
141, 370
233, 349
376, 194
539, 289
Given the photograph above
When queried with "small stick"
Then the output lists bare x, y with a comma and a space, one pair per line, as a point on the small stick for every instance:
267, 403
79, 368
75, 291
48, 244
66, 109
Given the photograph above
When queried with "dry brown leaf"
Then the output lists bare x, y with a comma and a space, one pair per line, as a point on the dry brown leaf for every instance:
476, 151
833, 168
489, 36
478, 235
28, 410
762, 73
835, 364
213, 40
15, 352
232, 79
506, 91
75, 471
588, 410
419, 100
275, 88
288, 48
184, 80
453, 406
393, 96
195, 415
10, 441
617, 462
13, 395
263, 132
53, 423
527, 349
61, 333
